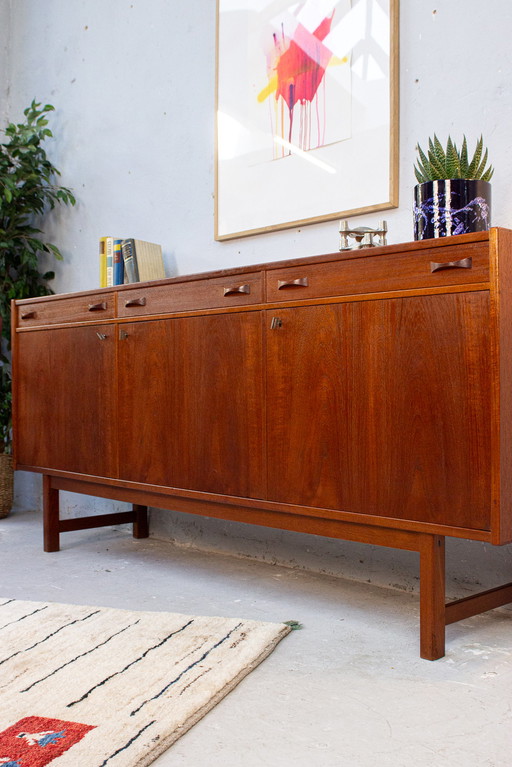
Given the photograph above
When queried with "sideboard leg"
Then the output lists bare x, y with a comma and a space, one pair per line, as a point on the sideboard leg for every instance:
432, 597
140, 523
51, 525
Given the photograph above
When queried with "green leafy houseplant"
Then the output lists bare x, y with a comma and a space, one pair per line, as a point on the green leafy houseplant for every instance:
450, 163
27, 193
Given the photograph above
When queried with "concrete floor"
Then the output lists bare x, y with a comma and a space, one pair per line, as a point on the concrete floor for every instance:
347, 689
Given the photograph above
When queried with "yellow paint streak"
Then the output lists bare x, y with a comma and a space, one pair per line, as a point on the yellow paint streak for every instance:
336, 62
271, 87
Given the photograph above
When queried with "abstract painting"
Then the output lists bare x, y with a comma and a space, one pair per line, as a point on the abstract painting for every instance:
306, 105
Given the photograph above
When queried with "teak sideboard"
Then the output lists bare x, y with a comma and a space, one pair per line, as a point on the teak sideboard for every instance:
365, 396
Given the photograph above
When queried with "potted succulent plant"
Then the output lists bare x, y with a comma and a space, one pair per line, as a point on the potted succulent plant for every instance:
27, 192
453, 194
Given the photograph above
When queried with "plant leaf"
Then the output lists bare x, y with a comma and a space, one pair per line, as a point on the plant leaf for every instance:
475, 162
423, 157
464, 165
423, 171
56, 252
452, 167
437, 168
481, 168
438, 151
421, 176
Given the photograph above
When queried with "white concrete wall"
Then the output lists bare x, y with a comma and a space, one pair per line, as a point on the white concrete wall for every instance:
133, 86
5, 16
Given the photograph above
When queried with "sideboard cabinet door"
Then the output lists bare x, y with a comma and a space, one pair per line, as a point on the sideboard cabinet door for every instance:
192, 394
383, 407
67, 400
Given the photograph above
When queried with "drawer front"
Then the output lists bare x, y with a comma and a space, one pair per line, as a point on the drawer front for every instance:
237, 290
64, 310
440, 266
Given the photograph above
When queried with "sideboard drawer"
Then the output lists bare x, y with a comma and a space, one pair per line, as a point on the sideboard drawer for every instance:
438, 266
53, 310
237, 290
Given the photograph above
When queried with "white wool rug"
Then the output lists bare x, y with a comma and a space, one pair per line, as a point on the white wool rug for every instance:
101, 687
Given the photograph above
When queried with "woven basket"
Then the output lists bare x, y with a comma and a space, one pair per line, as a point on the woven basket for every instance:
6, 484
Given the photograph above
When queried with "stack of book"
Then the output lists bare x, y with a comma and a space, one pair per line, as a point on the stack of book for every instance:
129, 260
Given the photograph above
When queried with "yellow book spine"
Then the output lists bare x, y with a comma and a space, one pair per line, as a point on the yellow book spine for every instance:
103, 262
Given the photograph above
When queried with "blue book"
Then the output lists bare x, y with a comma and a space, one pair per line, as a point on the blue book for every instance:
118, 263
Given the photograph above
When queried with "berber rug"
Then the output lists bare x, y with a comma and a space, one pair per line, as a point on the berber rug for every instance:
102, 687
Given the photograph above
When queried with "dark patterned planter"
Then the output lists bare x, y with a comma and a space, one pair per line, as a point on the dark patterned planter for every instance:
452, 206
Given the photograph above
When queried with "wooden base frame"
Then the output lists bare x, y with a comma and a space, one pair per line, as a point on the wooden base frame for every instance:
434, 613
53, 525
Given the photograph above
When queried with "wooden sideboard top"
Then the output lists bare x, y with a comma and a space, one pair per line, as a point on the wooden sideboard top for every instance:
387, 250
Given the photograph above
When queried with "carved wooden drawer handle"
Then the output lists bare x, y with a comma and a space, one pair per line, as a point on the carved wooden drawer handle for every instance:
136, 302
237, 289
464, 263
300, 282
97, 307
30, 315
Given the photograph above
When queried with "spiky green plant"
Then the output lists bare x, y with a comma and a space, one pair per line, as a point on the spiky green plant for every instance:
440, 164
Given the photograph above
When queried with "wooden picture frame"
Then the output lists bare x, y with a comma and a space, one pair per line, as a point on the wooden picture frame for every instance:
306, 112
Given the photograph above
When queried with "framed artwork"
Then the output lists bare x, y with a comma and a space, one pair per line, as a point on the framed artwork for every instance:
306, 112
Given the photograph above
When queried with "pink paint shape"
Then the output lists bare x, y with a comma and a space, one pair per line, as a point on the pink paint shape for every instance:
300, 68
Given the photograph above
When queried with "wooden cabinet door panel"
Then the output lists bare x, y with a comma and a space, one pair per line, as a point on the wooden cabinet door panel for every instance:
432, 375
67, 400
310, 397
383, 407
193, 395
